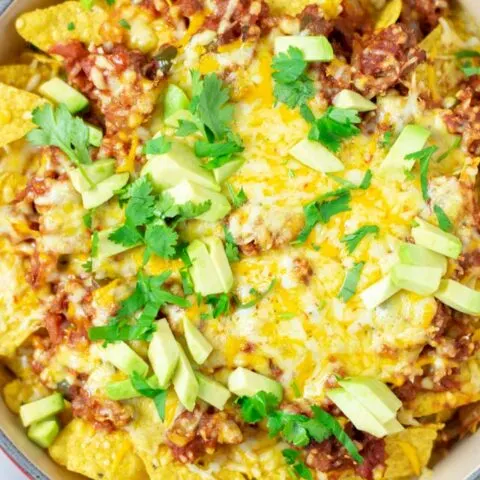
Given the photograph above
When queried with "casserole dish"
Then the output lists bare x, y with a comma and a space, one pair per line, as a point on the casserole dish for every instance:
461, 463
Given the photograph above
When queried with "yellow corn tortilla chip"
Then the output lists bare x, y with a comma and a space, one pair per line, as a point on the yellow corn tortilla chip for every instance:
408, 452
46, 27
97, 454
25, 77
19, 392
331, 8
15, 114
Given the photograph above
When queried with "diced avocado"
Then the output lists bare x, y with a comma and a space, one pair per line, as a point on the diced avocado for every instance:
379, 292
374, 395
459, 297
125, 359
411, 254
220, 261
106, 248
243, 382
95, 135
59, 91
412, 139
314, 48
96, 172
316, 156
179, 163
175, 100
436, 239
174, 119
353, 100
360, 416
420, 280
104, 190
184, 381
227, 170
204, 275
41, 409
44, 433
187, 191
123, 390
163, 353
212, 392
198, 345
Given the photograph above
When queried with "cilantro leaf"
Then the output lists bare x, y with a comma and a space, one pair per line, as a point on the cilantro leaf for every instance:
366, 181
335, 125
231, 248
350, 283
70, 26
161, 240
312, 218
467, 54
443, 221
470, 70
140, 205
191, 210
213, 109
124, 24
220, 304
257, 407
292, 86
187, 284
157, 146
88, 219
302, 471
423, 156
126, 235
238, 198
158, 395
58, 127
290, 455
185, 128
353, 239
220, 149
387, 140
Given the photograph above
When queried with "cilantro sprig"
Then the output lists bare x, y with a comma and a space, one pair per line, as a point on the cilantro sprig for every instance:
158, 395
423, 157
352, 240
298, 468
58, 127
350, 283
292, 86
334, 126
135, 320
237, 198
297, 429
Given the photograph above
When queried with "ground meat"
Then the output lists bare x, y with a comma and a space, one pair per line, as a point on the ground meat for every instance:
303, 269
464, 119
442, 319
422, 15
330, 455
121, 83
55, 321
239, 19
384, 58
189, 7
408, 391
102, 414
312, 20
197, 433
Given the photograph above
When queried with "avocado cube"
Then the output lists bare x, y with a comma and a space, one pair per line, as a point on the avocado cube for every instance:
244, 382
96, 172
353, 100
95, 135
315, 48
227, 170
120, 355
220, 261
411, 254
187, 191
435, 239
184, 381
44, 433
179, 163
59, 91
198, 345
379, 292
459, 297
124, 390
163, 353
316, 156
212, 392
420, 280
175, 100
104, 190
41, 409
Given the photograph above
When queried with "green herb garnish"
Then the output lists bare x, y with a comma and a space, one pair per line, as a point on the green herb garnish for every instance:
423, 157
353, 239
443, 221
158, 395
124, 24
258, 296
350, 283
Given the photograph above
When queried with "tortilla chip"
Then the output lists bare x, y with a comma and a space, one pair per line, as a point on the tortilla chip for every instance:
25, 77
408, 452
19, 392
46, 27
97, 454
331, 8
15, 115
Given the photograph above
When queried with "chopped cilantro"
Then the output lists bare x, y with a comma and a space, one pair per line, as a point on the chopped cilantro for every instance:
124, 24
452, 148
468, 68
158, 395
387, 140
322, 210
231, 248
364, 184
366, 181
110, 2
220, 304
161, 240
335, 125
88, 265
423, 156
467, 54
187, 284
259, 406
88, 219
71, 26
291, 173
58, 127
87, 4
296, 390
258, 296
350, 283
238, 198
157, 146
292, 85
220, 152
443, 221
185, 128
298, 468
353, 239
